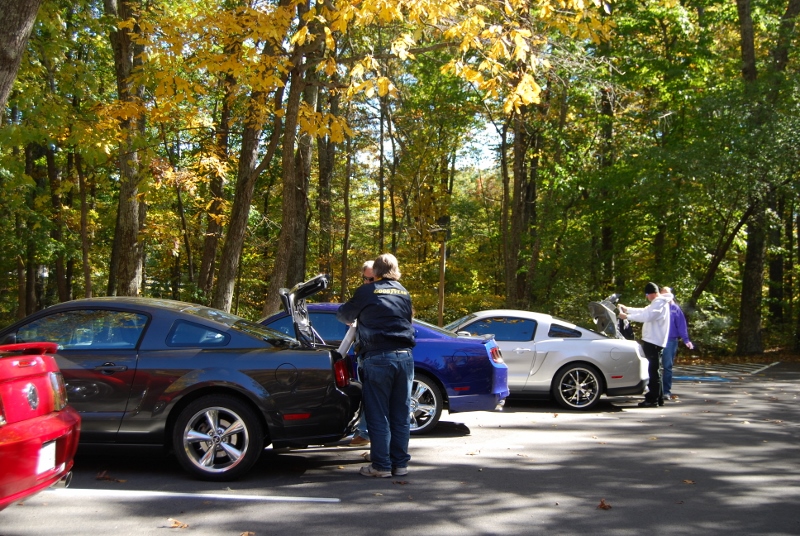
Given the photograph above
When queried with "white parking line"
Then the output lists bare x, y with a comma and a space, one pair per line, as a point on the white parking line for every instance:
137, 495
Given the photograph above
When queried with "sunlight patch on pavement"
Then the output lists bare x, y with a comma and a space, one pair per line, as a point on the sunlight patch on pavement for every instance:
139, 495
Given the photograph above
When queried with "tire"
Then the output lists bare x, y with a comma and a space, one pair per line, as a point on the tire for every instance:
238, 438
577, 386
426, 405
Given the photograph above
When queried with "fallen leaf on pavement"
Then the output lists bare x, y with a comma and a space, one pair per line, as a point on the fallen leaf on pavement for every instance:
177, 524
652, 438
688, 482
401, 482
248, 533
604, 505
103, 475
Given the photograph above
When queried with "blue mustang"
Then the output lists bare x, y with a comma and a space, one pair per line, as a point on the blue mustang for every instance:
451, 372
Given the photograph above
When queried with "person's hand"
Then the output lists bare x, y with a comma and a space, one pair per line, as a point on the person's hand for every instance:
689, 345
622, 308
622, 316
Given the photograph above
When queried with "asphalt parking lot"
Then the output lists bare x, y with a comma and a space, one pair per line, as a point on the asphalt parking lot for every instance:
722, 460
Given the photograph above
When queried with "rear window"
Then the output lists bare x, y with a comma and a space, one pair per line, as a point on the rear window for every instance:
504, 328
194, 335
563, 332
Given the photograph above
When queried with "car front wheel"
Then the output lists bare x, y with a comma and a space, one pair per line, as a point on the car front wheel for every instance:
577, 386
217, 438
426, 405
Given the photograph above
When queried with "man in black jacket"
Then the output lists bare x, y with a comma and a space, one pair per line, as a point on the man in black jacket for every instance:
386, 337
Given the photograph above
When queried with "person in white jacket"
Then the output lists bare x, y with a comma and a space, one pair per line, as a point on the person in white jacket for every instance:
655, 332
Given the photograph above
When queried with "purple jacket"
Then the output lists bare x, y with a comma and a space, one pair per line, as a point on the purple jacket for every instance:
677, 323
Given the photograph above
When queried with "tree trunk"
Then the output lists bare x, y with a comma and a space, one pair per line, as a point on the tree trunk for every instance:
213, 232
15, 28
130, 250
240, 211
505, 209
326, 151
293, 215
348, 170
776, 263
56, 232
749, 341
85, 241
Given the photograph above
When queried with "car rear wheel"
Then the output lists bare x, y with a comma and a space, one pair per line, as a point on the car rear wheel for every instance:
217, 437
577, 386
426, 405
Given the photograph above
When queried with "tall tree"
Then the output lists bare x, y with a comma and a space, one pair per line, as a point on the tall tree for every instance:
15, 28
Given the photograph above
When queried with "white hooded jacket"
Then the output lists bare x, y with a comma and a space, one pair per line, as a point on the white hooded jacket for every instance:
655, 318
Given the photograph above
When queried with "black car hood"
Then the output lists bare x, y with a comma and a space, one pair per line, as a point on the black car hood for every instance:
294, 301
605, 318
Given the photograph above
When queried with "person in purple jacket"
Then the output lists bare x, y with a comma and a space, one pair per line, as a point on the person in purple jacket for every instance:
677, 330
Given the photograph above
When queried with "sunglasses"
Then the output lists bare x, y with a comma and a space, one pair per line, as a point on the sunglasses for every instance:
370, 279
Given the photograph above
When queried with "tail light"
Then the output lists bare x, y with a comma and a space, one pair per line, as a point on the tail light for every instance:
59, 391
340, 373
497, 357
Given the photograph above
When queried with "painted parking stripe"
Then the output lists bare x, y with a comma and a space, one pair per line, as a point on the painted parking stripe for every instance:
700, 379
137, 495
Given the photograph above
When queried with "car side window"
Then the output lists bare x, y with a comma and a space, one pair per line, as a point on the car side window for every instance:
328, 326
563, 332
284, 325
189, 334
86, 329
504, 328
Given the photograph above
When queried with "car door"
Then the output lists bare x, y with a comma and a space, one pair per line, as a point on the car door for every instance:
97, 356
515, 338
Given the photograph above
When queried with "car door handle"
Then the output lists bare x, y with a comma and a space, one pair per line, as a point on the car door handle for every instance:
110, 368
520, 350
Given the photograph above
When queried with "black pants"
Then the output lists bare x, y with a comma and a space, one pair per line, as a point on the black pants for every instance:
655, 391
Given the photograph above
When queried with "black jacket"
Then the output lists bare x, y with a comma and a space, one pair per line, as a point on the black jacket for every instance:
383, 311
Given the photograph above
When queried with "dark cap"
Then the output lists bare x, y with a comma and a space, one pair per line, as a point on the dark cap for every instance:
651, 288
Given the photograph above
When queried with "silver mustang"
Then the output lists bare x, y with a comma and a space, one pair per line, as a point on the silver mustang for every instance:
549, 357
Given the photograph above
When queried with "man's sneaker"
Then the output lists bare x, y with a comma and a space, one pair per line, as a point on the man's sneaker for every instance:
399, 471
359, 441
368, 470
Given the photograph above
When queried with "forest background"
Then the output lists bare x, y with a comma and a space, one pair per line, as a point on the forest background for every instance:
511, 153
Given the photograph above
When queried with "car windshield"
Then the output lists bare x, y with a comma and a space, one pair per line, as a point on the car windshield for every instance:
463, 320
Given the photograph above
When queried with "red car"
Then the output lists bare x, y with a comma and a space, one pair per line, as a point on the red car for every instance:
38, 431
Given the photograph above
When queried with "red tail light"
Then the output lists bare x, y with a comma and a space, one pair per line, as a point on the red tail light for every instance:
340, 373
497, 357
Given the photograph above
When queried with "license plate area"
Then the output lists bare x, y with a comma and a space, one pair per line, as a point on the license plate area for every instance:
47, 458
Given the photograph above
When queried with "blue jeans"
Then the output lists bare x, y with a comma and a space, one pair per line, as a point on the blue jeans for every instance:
387, 399
667, 358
